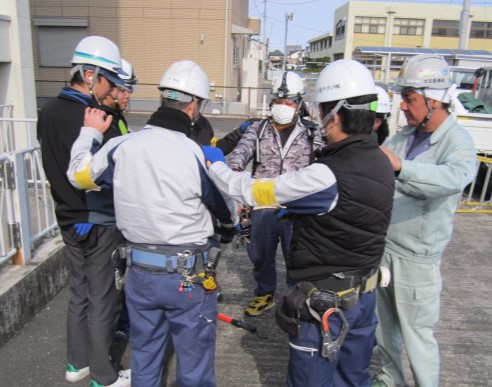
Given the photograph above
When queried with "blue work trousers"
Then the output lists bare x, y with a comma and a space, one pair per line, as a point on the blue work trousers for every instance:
266, 232
351, 367
158, 311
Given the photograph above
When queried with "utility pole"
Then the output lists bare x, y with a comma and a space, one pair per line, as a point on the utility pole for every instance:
288, 16
265, 48
464, 25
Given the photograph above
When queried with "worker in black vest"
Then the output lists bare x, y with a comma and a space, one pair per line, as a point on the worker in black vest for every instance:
341, 207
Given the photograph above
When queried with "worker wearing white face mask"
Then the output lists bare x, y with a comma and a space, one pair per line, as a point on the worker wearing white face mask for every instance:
283, 114
281, 143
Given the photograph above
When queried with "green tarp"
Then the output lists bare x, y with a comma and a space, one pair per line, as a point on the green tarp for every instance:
474, 105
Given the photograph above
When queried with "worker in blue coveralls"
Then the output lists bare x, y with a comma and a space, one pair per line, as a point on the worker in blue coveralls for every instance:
434, 160
163, 198
341, 207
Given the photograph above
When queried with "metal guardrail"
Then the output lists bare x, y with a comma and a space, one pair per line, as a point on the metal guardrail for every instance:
16, 133
26, 206
480, 189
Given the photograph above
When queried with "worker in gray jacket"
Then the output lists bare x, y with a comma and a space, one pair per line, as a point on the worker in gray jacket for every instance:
163, 198
434, 160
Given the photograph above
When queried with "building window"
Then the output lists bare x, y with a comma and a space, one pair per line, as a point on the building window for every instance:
235, 57
408, 26
57, 39
338, 56
340, 30
370, 25
481, 30
448, 28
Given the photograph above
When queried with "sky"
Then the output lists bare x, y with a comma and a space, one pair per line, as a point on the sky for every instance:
311, 18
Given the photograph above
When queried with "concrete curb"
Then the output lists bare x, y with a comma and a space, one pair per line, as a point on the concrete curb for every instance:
25, 290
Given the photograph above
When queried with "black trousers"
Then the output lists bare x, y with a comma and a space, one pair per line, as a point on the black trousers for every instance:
94, 302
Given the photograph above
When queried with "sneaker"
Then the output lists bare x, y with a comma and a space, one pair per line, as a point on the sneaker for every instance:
73, 374
376, 382
124, 380
259, 305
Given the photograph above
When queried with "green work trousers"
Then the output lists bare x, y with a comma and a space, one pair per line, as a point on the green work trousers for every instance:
408, 310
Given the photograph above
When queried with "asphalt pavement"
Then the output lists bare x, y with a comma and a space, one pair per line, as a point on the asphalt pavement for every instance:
36, 357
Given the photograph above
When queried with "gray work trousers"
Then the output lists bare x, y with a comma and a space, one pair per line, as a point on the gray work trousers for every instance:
94, 302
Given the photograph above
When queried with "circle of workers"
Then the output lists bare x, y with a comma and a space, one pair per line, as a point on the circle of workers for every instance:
344, 200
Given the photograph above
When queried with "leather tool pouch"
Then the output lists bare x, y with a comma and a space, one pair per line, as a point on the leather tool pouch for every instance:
288, 311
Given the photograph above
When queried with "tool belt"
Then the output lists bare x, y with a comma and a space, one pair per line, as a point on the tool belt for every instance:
309, 300
196, 265
362, 281
167, 259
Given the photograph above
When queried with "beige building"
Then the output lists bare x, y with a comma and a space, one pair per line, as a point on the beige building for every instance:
383, 34
400, 24
151, 35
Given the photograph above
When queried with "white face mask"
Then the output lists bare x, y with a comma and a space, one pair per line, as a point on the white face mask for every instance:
283, 114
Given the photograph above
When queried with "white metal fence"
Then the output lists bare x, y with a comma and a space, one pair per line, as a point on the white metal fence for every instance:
26, 205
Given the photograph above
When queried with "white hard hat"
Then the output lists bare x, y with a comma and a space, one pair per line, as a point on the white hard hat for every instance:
342, 79
100, 52
129, 79
384, 103
289, 85
424, 71
185, 76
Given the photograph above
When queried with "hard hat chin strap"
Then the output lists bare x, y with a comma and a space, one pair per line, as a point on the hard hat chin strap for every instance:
423, 124
80, 69
91, 87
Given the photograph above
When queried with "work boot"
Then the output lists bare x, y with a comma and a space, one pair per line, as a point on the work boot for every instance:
74, 375
259, 305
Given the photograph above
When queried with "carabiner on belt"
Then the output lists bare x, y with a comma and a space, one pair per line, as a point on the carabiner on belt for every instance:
331, 347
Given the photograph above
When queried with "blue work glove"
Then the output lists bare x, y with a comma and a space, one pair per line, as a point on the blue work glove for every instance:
80, 232
245, 125
82, 229
283, 215
213, 154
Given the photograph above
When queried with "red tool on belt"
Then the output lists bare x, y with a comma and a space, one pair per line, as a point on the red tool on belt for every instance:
237, 323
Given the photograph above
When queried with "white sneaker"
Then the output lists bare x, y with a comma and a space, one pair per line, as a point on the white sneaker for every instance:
124, 380
74, 375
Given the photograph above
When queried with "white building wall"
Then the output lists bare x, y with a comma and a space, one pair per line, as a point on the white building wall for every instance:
17, 85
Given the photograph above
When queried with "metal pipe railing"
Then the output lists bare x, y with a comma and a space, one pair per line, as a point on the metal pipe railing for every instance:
26, 206
483, 205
